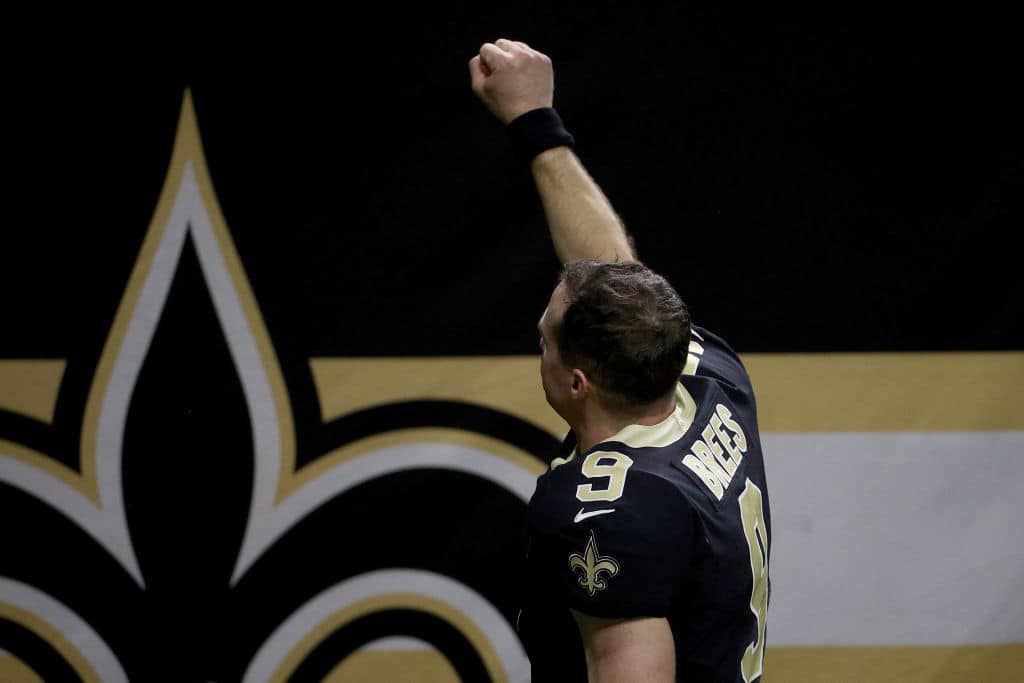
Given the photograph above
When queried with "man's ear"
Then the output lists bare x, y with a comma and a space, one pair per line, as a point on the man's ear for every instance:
580, 386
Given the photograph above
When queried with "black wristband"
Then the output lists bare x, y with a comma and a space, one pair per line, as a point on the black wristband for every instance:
537, 130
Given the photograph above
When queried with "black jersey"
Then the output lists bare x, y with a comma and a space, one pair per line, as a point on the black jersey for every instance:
669, 520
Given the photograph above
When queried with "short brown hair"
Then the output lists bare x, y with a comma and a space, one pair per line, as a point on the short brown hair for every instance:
626, 328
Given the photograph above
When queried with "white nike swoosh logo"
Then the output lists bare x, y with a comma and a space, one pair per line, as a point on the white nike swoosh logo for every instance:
581, 515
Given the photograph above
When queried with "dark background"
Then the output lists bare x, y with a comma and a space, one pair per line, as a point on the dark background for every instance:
813, 182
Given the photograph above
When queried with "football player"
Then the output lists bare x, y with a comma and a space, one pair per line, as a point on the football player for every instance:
649, 541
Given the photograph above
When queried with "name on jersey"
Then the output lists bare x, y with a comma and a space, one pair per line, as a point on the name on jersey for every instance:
716, 456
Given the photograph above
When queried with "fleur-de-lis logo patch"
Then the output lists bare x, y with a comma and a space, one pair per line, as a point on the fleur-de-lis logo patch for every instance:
592, 565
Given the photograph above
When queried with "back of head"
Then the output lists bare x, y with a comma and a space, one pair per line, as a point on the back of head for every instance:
626, 328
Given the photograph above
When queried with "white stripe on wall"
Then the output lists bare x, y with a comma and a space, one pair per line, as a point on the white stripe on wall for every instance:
896, 538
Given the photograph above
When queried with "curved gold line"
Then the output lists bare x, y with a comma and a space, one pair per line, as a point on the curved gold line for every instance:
43, 462
55, 638
428, 665
257, 325
378, 603
353, 450
184, 149
187, 148
16, 671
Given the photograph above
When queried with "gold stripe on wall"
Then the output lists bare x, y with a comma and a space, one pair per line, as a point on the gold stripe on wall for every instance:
413, 435
510, 384
823, 392
918, 664
873, 392
29, 387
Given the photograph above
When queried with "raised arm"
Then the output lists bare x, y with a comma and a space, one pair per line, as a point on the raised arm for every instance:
513, 80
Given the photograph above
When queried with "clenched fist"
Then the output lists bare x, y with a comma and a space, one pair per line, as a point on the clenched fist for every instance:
511, 78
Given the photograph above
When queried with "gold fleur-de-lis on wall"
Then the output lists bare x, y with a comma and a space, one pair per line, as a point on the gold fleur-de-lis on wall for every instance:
592, 566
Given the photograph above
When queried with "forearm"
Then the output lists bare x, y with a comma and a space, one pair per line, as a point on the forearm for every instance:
516, 83
581, 220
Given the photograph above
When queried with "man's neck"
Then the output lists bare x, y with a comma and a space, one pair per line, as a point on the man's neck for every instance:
598, 424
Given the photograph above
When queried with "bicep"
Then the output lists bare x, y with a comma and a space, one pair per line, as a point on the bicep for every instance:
617, 650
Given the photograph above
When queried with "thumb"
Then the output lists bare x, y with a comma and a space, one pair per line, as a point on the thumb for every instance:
478, 73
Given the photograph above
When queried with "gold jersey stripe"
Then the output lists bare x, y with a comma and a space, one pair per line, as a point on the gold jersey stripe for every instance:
906, 664
878, 392
29, 387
